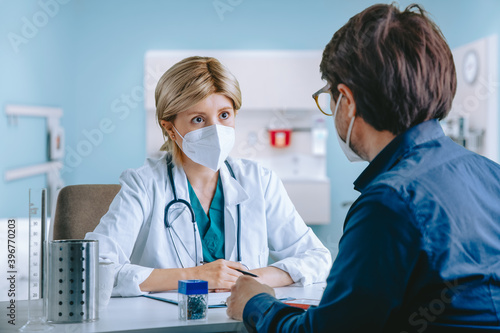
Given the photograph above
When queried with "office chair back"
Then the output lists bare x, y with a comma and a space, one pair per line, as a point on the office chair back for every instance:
80, 208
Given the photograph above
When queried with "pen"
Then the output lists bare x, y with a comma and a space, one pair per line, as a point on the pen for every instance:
239, 270
246, 273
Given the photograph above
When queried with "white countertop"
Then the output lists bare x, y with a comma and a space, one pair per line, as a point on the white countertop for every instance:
141, 314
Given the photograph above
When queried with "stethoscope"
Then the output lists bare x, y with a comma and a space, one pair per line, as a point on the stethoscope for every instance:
176, 200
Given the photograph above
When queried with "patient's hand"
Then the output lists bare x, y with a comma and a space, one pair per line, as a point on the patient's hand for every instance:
241, 293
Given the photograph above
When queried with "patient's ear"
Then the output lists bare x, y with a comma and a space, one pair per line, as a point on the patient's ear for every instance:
349, 101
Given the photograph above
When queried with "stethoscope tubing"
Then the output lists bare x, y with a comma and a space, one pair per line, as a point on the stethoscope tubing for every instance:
193, 219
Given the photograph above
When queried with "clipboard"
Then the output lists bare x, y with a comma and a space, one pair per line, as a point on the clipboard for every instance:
215, 300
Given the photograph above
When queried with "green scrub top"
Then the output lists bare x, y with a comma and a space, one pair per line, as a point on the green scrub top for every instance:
211, 227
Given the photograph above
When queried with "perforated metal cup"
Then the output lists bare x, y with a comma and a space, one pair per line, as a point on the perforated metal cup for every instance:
73, 273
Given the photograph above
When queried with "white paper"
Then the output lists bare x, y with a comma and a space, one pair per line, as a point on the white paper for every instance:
214, 299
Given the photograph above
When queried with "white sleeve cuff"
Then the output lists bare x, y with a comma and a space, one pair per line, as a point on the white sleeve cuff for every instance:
128, 277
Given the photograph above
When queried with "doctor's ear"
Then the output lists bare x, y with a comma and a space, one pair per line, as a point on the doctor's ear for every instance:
348, 102
168, 129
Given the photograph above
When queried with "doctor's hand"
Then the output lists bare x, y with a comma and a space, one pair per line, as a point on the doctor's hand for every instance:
220, 274
244, 289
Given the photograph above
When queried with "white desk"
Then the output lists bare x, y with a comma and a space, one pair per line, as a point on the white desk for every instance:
141, 314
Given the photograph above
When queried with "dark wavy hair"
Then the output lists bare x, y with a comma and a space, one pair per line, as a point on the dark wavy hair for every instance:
397, 64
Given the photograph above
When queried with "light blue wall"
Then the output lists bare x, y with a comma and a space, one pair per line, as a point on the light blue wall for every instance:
35, 69
89, 59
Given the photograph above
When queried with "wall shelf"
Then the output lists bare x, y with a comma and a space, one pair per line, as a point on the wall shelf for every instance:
52, 167
32, 170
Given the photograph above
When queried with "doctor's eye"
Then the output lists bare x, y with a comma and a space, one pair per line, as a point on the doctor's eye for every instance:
224, 115
197, 120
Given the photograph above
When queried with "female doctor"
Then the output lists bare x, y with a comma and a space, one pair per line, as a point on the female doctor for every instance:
194, 213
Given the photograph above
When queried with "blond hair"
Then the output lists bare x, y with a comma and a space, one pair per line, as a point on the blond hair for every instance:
187, 83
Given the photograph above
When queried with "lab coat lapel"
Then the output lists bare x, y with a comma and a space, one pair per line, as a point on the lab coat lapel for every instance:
234, 194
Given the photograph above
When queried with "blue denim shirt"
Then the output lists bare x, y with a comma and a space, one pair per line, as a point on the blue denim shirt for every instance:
421, 245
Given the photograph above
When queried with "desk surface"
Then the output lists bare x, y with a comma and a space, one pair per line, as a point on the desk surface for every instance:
141, 314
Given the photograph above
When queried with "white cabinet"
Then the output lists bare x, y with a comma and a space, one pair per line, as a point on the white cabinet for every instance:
268, 79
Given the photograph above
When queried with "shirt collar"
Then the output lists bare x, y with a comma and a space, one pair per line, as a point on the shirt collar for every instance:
396, 149
233, 192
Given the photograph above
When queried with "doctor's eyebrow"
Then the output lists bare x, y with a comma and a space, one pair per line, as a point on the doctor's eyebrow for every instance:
225, 108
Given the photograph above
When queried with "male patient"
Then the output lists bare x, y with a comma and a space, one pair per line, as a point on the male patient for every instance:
421, 244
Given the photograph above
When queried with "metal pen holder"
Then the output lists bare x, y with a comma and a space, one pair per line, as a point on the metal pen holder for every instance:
73, 273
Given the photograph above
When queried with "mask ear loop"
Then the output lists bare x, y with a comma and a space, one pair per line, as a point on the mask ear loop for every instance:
351, 124
177, 131
337, 106
349, 130
179, 135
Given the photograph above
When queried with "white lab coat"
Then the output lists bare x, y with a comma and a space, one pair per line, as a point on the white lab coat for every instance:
132, 234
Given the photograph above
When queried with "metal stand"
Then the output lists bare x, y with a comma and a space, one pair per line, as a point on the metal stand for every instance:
37, 261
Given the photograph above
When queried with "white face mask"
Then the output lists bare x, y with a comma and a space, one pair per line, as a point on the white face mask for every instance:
346, 148
208, 146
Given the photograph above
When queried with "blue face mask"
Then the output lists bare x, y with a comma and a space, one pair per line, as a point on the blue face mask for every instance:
346, 148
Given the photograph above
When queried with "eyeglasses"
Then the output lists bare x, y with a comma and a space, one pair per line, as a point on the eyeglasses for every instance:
324, 90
